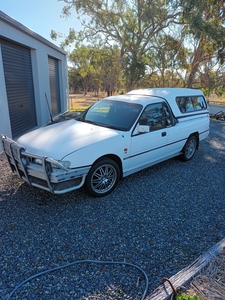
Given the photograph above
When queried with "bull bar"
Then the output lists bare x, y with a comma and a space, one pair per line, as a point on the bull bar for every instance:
49, 175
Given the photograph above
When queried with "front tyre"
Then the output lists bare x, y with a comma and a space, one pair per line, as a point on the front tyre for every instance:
102, 177
189, 148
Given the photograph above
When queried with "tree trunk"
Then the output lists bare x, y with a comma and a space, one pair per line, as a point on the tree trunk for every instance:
197, 58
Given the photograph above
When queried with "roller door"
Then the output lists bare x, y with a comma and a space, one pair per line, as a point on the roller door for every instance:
19, 87
54, 85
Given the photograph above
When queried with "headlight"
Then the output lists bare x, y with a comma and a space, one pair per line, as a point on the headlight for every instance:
65, 163
54, 163
37, 161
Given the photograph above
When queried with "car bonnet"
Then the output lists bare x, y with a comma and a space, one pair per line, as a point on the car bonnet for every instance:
60, 139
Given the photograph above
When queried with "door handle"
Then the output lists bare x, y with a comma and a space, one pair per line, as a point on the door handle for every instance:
164, 133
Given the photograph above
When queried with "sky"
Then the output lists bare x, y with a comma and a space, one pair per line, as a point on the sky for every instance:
41, 16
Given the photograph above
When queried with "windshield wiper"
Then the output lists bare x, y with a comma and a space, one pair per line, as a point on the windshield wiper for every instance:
102, 124
91, 122
109, 126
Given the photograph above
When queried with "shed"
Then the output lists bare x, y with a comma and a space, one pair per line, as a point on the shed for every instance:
33, 79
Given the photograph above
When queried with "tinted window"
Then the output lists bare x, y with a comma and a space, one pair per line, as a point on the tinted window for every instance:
190, 104
156, 116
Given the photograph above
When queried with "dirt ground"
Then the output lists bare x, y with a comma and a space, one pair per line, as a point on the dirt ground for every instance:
79, 102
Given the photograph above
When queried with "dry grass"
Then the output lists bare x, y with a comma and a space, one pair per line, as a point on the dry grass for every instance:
210, 283
79, 102
214, 99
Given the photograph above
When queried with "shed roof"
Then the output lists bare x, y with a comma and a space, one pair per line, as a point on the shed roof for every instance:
9, 20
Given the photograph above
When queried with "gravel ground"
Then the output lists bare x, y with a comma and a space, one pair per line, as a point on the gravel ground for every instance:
160, 219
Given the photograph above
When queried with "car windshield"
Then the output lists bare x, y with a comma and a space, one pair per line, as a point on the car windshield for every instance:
112, 114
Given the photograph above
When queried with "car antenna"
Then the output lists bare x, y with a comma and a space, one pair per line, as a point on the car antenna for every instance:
49, 108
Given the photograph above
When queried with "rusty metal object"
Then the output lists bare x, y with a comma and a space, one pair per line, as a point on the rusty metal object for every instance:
173, 296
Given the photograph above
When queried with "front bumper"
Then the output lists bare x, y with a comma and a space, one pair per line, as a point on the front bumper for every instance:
50, 175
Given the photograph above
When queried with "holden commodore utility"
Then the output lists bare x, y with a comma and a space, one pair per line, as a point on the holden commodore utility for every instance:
115, 137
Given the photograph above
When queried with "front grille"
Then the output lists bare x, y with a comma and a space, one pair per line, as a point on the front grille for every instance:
67, 184
39, 181
57, 186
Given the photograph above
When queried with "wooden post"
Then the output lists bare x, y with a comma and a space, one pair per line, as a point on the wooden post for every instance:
164, 291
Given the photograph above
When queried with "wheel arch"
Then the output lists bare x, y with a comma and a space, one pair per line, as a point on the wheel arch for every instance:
116, 159
196, 134
185, 155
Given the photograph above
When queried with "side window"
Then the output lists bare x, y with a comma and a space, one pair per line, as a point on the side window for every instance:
156, 116
191, 104
199, 103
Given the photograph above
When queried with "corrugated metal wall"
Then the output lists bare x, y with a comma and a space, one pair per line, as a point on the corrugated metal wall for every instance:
54, 85
19, 87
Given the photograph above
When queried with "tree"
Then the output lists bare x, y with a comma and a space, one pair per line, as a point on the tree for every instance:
204, 21
75, 80
111, 69
168, 58
176, 41
99, 67
82, 59
129, 24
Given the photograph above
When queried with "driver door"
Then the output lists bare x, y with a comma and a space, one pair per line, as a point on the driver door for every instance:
148, 148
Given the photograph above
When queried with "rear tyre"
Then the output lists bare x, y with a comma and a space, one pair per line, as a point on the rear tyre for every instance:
102, 177
189, 148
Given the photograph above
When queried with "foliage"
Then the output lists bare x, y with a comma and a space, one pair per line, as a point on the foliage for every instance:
75, 80
205, 22
167, 60
187, 297
136, 43
111, 72
131, 25
205, 18
99, 68
82, 58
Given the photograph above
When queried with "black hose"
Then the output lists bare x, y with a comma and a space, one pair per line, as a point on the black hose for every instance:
84, 261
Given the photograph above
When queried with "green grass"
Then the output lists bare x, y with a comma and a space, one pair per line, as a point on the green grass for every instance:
78, 109
187, 297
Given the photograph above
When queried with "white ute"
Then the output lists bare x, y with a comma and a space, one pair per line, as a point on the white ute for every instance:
114, 138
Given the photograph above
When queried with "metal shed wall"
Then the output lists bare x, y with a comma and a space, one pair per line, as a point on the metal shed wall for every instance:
54, 85
26, 95
19, 87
